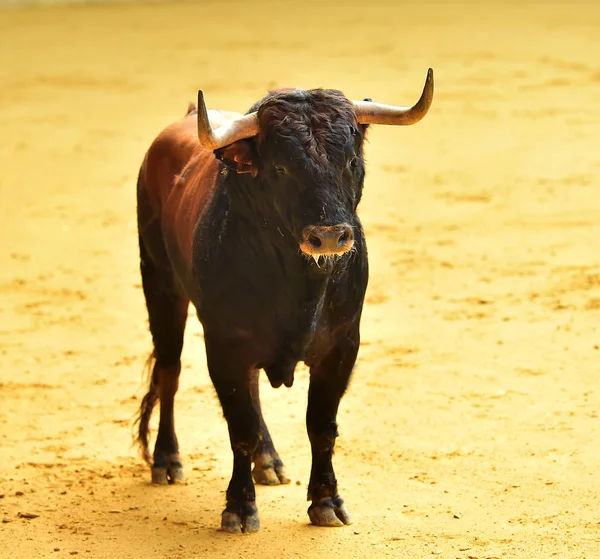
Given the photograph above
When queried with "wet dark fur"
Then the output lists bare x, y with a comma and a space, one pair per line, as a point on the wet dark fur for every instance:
262, 303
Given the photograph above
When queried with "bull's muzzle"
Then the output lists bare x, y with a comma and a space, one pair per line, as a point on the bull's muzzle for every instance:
332, 240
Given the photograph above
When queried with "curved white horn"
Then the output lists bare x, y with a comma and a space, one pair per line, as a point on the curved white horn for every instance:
238, 129
378, 113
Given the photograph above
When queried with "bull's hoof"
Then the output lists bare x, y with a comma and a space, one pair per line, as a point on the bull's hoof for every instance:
247, 523
170, 474
269, 471
329, 512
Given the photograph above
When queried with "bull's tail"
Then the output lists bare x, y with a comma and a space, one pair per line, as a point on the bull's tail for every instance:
142, 421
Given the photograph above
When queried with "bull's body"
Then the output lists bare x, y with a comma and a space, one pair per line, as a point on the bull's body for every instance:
264, 240
250, 284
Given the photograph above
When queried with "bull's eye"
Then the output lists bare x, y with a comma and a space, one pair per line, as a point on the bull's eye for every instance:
352, 161
280, 169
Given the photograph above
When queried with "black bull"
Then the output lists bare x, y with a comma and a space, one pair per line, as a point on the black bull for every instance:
255, 223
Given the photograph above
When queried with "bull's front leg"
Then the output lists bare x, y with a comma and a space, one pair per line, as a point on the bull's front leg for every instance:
231, 378
328, 381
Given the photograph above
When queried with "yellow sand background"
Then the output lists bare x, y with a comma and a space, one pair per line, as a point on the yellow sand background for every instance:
471, 426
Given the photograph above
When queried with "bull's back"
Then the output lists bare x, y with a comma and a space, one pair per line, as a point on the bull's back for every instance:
177, 181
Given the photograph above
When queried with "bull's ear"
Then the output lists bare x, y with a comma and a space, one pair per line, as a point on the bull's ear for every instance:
240, 156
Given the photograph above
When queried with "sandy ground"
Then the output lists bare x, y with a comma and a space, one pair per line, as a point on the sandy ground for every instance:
471, 426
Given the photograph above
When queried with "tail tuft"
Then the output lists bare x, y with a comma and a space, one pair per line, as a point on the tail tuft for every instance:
142, 421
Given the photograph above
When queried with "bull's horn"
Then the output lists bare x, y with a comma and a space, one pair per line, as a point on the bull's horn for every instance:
377, 113
238, 129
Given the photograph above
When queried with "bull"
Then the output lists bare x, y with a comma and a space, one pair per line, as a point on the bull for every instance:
252, 218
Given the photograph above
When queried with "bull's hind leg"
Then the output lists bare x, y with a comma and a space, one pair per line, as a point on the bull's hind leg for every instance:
268, 466
167, 312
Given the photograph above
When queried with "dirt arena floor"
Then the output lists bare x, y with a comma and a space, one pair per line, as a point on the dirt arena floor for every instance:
471, 427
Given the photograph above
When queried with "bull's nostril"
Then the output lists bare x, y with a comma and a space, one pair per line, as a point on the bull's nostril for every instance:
314, 240
327, 240
343, 238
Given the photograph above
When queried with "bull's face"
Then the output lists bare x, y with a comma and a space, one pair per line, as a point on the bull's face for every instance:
311, 167
307, 162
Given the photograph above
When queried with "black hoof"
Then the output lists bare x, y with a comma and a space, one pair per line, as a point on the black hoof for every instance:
246, 523
269, 471
169, 474
329, 512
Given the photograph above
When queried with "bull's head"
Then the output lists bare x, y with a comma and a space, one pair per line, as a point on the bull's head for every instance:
305, 150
